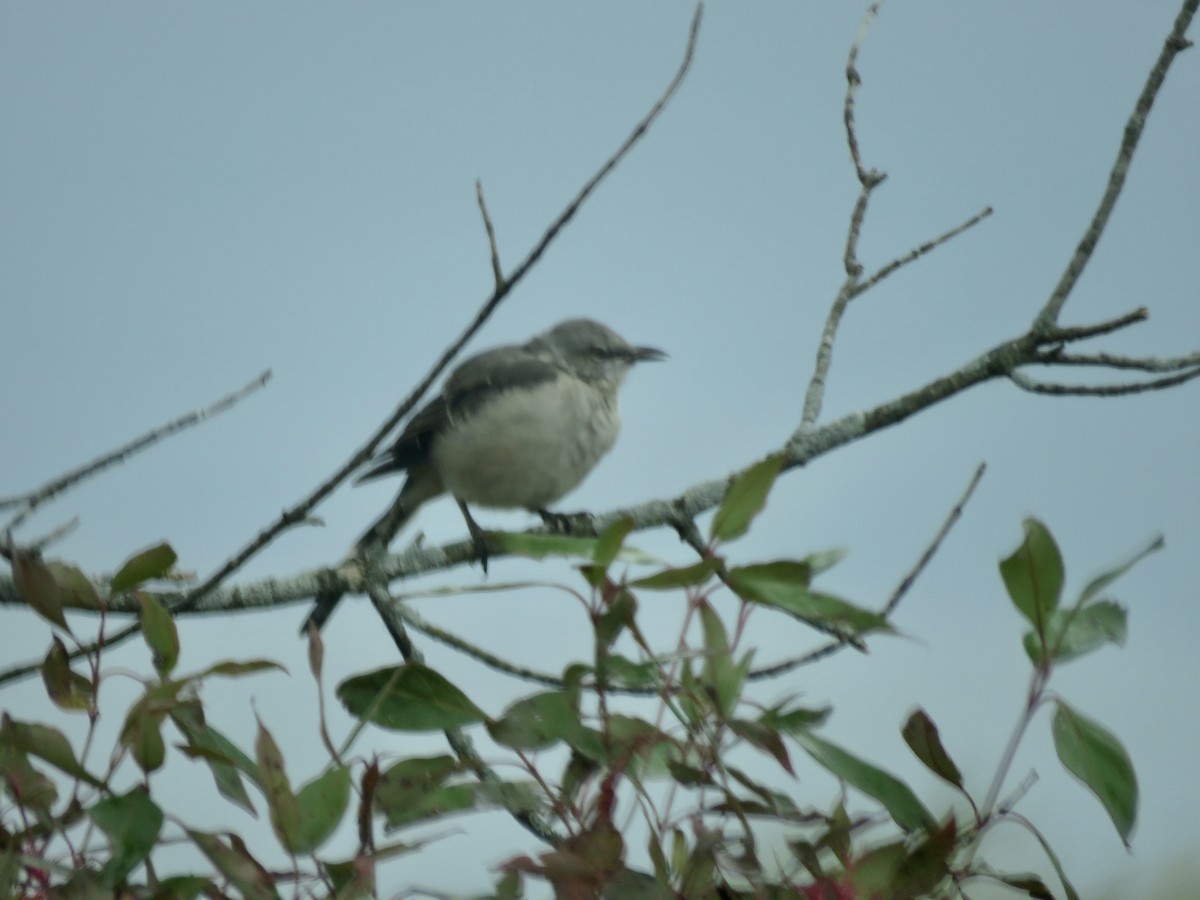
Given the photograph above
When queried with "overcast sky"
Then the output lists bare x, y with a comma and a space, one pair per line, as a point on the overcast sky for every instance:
193, 193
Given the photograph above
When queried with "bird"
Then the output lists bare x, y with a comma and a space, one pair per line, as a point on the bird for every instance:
514, 427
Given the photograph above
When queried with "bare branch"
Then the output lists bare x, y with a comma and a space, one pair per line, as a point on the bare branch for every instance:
917, 252
1176, 41
53, 488
40, 544
868, 181
955, 514
853, 80
1026, 383
1114, 361
1083, 332
497, 271
404, 612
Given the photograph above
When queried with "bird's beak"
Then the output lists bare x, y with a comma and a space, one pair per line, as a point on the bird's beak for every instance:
647, 354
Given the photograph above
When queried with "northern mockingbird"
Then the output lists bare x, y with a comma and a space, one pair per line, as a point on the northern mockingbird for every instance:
517, 427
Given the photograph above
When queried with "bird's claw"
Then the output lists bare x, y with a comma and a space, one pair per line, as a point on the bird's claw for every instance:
568, 523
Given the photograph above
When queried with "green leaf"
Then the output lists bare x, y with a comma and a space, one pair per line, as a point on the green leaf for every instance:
67, 689
688, 776
36, 585
321, 804
1094, 755
776, 803
620, 615
1100, 582
636, 743
415, 789
795, 719
922, 737
75, 589
661, 871
694, 701
687, 576
158, 628
1072, 633
823, 560
539, 546
142, 734
679, 850
578, 770
609, 543
142, 729
406, 809
26, 785
745, 499
420, 773
784, 585
411, 697
1033, 575
538, 721
184, 887
620, 671
764, 738
514, 796
720, 675
45, 743
281, 802
151, 563
235, 863
131, 822
590, 744
896, 797
222, 757
234, 669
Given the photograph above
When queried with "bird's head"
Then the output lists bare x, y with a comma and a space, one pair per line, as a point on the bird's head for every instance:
592, 351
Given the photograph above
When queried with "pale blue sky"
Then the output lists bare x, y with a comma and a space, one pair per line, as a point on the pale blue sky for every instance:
190, 194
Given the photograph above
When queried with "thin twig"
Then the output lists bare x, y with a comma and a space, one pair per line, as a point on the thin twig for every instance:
1113, 361
854, 79
897, 595
853, 287
1176, 41
53, 488
40, 544
406, 615
1083, 332
868, 180
1025, 383
497, 271
917, 252
955, 514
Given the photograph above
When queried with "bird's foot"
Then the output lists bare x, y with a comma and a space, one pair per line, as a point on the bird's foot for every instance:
478, 536
568, 523
481, 548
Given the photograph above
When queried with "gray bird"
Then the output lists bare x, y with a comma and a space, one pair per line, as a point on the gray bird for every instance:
517, 427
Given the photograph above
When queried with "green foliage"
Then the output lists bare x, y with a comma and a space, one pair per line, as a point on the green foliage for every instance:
703, 763
410, 697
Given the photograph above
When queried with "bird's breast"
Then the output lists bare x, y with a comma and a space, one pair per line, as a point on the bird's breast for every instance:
527, 447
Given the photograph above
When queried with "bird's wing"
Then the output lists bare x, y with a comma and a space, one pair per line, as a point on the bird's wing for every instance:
473, 383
